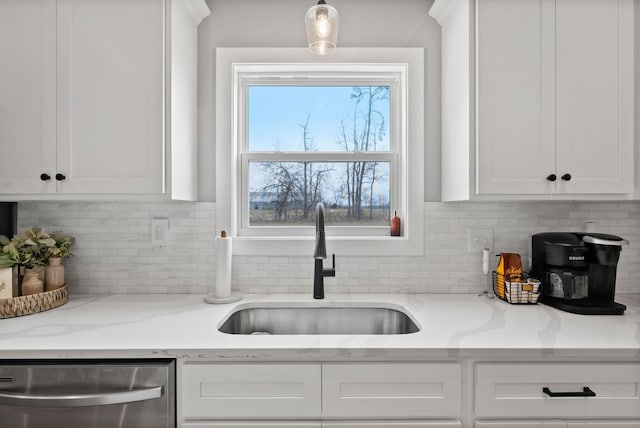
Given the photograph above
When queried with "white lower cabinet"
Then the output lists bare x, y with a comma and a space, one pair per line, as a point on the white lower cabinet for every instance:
250, 424
334, 395
499, 394
557, 395
521, 424
393, 424
604, 424
557, 390
558, 424
251, 391
403, 391
318, 424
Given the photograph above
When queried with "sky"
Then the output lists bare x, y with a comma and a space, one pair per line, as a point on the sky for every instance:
276, 113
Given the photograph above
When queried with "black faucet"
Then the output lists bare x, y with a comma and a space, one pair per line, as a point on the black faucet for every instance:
319, 254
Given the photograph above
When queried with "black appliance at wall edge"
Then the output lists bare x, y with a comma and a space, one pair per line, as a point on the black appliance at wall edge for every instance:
8, 218
578, 271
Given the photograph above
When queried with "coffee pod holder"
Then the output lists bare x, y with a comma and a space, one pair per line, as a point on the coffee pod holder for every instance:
517, 290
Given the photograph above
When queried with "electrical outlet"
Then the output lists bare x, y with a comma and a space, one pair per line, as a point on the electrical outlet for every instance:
159, 232
479, 238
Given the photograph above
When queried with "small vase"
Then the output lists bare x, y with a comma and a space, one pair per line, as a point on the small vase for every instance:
31, 283
54, 274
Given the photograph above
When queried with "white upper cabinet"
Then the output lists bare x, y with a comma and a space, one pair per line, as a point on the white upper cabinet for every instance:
594, 95
28, 95
515, 118
110, 99
92, 103
537, 98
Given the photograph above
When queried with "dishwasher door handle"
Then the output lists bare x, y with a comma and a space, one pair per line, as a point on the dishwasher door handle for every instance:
79, 400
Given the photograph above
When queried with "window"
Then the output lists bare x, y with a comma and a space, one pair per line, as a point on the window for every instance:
317, 139
301, 131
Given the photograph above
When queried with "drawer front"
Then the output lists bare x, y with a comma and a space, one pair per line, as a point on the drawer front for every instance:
520, 424
604, 424
518, 390
256, 424
393, 424
248, 391
394, 390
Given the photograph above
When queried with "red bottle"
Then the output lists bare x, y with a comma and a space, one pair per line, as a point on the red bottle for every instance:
395, 224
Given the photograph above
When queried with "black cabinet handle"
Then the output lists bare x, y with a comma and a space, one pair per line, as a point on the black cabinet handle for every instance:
45, 177
551, 177
60, 177
586, 392
566, 177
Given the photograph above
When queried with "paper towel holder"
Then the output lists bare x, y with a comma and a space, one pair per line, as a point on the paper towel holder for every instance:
234, 297
223, 257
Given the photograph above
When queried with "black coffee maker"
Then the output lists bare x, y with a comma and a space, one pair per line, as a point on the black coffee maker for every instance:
578, 271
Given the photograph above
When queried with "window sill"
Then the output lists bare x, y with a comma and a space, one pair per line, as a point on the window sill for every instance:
341, 246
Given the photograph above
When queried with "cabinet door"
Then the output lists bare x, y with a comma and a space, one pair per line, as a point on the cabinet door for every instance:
392, 390
251, 424
604, 424
515, 97
520, 424
393, 424
110, 96
557, 390
27, 95
594, 72
251, 391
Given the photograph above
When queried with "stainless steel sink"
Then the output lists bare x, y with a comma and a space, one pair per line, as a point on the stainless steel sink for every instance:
318, 320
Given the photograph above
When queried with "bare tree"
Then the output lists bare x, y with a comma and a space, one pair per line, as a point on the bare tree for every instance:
307, 168
295, 184
281, 182
361, 134
312, 178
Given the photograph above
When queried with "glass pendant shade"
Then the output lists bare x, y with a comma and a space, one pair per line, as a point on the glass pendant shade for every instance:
322, 28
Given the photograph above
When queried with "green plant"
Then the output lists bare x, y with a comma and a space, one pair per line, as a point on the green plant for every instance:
62, 247
33, 248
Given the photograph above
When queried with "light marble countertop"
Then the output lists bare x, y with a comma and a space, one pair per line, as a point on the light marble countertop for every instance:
182, 325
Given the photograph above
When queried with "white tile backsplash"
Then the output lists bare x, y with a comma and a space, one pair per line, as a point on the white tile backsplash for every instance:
113, 252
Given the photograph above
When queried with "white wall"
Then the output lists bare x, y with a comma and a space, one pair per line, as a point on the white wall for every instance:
280, 23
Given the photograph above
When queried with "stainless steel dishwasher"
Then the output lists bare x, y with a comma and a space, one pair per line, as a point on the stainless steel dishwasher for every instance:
87, 393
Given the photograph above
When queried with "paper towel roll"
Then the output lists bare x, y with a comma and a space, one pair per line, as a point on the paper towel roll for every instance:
223, 267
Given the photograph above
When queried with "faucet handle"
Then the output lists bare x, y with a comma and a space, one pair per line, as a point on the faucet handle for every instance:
332, 270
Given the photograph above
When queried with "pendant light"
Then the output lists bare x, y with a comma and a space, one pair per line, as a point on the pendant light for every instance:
322, 28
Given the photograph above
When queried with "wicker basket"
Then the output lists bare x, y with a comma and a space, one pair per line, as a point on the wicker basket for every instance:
33, 303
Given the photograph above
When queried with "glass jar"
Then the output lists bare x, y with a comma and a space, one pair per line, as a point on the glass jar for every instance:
32, 284
54, 274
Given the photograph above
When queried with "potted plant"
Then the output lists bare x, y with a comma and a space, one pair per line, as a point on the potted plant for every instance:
54, 272
32, 250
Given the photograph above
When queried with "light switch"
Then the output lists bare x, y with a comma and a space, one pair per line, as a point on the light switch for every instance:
159, 232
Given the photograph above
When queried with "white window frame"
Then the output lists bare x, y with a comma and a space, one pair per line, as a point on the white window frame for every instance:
392, 75
400, 68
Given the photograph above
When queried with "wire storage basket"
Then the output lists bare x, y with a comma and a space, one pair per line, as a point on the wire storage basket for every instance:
516, 290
